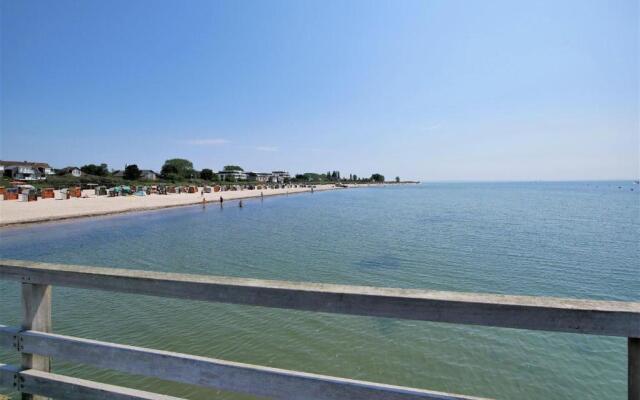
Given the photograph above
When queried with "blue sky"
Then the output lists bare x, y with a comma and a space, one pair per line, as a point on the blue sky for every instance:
435, 90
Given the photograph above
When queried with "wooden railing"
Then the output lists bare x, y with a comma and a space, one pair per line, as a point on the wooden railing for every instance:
38, 345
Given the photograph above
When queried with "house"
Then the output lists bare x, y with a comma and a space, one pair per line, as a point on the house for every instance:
145, 174
279, 176
148, 175
70, 171
232, 176
25, 170
259, 176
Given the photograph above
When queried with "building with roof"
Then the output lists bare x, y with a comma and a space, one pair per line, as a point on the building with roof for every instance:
259, 176
232, 176
280, 176
74, 171
148, 175
25, 170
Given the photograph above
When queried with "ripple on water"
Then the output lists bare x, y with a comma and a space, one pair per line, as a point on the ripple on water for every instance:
554, 239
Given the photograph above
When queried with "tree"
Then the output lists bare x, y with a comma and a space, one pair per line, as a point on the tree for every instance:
131, 172
397, 179
97, 170
178, 166
230, 168
377, 178
206, 174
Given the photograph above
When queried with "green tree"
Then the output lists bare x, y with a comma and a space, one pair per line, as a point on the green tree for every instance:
97, 170
178, 166
131, 172
377, 178
230, 168
206, 174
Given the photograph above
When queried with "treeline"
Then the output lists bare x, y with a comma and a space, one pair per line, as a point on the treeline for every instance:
334, 176
178, 170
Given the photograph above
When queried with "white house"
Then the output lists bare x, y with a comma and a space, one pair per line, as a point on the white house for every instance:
74, 171
259, 176
25, 170
232, 176
279, 176
148, 175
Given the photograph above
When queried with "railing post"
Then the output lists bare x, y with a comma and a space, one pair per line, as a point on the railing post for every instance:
634, 368
36, 316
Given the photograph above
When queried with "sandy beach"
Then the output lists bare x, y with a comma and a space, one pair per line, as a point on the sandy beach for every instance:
14, 212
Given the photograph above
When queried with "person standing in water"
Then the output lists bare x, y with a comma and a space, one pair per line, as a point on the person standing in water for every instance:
240, 204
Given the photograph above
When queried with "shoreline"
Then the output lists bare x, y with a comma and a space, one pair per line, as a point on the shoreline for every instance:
14, 213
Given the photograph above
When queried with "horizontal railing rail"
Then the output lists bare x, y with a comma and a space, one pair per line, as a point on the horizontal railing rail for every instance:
36, 382
609, 318
209, 372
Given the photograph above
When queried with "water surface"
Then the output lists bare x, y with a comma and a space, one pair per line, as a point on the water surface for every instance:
569, 239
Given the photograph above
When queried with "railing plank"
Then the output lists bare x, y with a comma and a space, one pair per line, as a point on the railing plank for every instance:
610, 318
7, 377
634, 368
217, 374
68, 388
8, 336
36, 316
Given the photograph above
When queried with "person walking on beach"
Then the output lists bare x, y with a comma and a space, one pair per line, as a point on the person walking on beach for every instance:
221, 199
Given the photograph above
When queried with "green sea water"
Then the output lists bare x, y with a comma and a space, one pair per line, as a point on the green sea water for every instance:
569, 239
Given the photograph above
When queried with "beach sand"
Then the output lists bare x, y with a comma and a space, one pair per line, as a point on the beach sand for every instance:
14, 212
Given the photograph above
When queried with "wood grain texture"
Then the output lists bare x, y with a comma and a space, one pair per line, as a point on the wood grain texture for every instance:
611, 318
64, 387
634, 368
218, 374
36, 316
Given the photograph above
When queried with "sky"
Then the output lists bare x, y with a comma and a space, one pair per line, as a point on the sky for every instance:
431, 90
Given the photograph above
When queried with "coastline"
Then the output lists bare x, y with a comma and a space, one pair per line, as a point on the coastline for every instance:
14, 213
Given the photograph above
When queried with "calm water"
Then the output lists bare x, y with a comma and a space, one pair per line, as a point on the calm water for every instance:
560, 239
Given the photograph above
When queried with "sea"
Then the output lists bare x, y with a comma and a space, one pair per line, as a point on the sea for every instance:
563, 239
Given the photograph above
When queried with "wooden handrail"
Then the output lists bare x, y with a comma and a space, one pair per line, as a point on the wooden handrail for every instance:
212, 373
34, 382
609, 318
